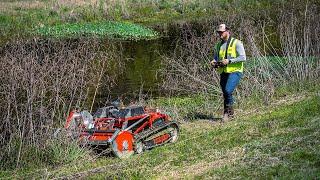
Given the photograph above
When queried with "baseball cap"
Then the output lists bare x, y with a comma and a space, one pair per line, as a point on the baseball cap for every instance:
222, 28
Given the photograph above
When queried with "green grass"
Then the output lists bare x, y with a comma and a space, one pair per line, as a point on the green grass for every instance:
189, 107
278, 141
86, 21
98, 29
20, 18
52, 153
284, 143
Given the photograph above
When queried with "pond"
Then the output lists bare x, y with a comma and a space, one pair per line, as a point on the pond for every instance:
142, 71
143, 62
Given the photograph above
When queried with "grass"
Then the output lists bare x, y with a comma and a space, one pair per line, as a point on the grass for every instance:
98, 29
283, 143
189, 107
277, 141
93, 17
53, 152
266, 142
20, 18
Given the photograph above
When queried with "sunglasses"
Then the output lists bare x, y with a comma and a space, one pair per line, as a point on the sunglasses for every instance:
220, 32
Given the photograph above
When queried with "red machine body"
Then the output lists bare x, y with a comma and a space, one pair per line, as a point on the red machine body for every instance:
126, 131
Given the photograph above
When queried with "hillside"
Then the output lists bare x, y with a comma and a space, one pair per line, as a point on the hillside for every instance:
61, 55
280, 140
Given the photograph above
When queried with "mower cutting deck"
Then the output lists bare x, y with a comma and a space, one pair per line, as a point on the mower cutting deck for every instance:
125, 131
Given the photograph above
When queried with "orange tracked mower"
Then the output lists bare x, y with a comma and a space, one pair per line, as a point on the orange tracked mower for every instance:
125, 131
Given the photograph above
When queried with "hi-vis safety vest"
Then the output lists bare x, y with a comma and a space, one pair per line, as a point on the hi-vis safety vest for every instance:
231, 53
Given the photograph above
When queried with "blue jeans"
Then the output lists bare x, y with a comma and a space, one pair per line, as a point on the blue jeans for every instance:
228, 82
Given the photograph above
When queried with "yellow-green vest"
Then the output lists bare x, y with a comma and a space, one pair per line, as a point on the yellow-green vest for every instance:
232, 53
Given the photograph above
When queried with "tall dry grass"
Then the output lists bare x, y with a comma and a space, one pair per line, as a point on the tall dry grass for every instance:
41, 81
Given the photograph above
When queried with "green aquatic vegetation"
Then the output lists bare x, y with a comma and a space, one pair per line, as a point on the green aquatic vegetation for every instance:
118, 30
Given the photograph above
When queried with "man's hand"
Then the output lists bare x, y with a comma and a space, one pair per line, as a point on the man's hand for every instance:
213, 62
225, 61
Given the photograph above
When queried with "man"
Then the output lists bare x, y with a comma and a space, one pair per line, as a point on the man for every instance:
229, 57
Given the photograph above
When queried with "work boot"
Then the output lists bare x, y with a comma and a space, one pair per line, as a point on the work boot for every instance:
225, 113
231, 112
228, 113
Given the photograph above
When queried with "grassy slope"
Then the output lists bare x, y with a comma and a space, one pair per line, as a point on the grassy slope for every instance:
24, 18
281, 140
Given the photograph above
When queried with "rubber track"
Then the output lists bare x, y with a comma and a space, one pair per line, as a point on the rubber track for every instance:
149, 132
